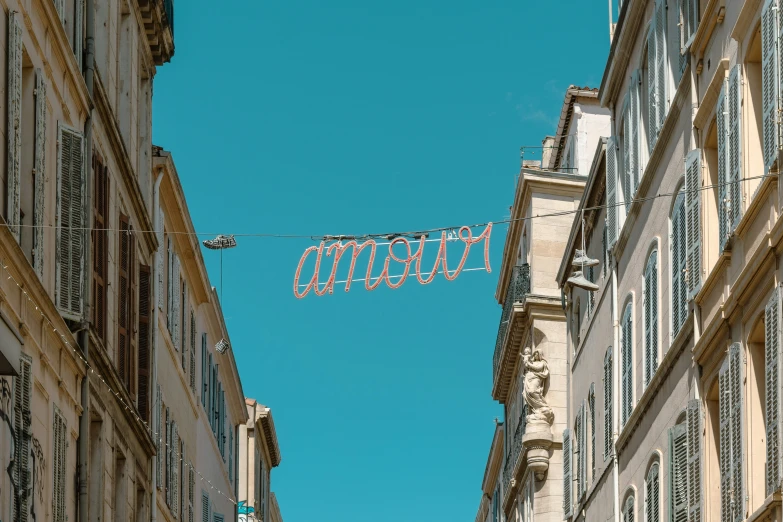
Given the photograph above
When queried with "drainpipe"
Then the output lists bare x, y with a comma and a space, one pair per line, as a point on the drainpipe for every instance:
615, 368
155, 311
83, 336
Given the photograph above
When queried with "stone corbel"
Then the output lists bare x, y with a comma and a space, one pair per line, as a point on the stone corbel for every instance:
537, 441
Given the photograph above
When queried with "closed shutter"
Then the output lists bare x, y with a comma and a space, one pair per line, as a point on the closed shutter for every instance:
184, 326
627, 160
158, 437
175, 289
211, 393
772, 325
204, 370
678, 473
231, 455
591, 404
735, 146
78, 32
634, 122
14, 171
769, 82
721, 116
694, 427
724, 406
175, 463
100, 246
123, 301
611, 193
70, 222
661, 65
192, 351
627, 362
39, 173
21, 470
168, 459
583, 452
169, 286
608, 428
191, 491
204, 507
145, 298
159, 257
628, 513
652, 496
578, 432
59, 465
650, 318
652, 84
678, 247
693, 220
737, 483
181, 480
567, 502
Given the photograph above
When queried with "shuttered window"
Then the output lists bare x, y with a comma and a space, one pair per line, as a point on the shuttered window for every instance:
158, 436
631, 139
769, 81
694, 427
579, 452
204, 371
692, 224
730, 454
627, 365
175, 464
192, 351
176, 300
191, 492
608, 428
70, 222
22, 415
78, 32
39, 173
652, 495
125, 299
678, 473
169, 287
14, 122
591, 405
721, 119
689, 22
628, 510
772, 324
145, 311
679, 275
735, 146
181, 479
183, 331
59, 466
231, 455
159, 257
650, 318
657, 73
204, 507
100, 246
612, 196
590, 295
168, 459
567, 501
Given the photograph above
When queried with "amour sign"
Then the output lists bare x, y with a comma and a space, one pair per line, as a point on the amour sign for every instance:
338, 249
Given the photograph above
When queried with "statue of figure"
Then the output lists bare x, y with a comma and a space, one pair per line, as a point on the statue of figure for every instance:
536, 372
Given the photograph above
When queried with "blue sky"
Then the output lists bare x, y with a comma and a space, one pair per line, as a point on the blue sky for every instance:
349, 117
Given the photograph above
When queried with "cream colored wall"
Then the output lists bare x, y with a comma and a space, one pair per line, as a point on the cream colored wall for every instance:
548, 239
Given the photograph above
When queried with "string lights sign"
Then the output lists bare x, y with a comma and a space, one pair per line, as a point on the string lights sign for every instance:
402, 255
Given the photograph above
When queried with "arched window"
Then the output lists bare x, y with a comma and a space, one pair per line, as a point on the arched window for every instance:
652, 497
650, 317
626, 334
679, 247
628, 511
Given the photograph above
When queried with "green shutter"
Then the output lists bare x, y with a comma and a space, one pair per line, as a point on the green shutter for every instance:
608, 428
567, 501
694, 429
678, 473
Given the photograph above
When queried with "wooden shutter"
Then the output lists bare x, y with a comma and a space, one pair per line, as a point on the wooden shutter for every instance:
145, 311
100, 246
222, 421
591, 405
211, 394
769, 82
652, 497
168, 459
175, 313
78, 32
567, 502
39, 173
21, 472
678, 247
736, 379
184, 326
661, 65
694, 428
724, 406
721, 116
772, 346
652, 83
231, 455
158, 437
628, 512
181, 479
627, 166
159, 257
650, 318
59, 465
608, 428
14, 122
693, 221
169, 287
191, 491
735, 146
678, 473
123, 301
611, 193
634, 122
192, 351
627, 362
204, 507
583, 452
204, 370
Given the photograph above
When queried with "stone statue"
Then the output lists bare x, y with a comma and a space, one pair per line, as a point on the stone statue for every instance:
536, 372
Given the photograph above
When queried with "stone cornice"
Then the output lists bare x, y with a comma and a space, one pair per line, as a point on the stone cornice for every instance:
626, 32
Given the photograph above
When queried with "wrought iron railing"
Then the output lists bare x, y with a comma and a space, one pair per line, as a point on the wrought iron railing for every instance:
518, 288
515, 449
168, 8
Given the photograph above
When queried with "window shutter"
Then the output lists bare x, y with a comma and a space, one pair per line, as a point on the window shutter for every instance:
772, 325
591, 404
694, 428
39, 173
204, 507
651, 318
627, 361
736, 378
123, 301
192, 351
652, 83
608, 429
191, 491
678, 473
21, 471
158, 436
184, 326
627, 159
145, 290
70, 222
231, 454
159, 256
636, 118
735, 146
567, 473
168, 459
223, 423
611, 192
59, 465
652, 495
628, 513
724, 405
678, 256
693, 221
211, 393
78, 32
14, 122
169, 286
175, 289
181, 479
100, 244
721, 116
175, 470
661, 65
204, 370
769, 84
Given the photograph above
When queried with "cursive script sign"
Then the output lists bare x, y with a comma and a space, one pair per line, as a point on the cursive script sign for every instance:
338, 249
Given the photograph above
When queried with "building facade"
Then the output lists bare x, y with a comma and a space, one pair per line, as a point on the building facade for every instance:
259, 452
490, 506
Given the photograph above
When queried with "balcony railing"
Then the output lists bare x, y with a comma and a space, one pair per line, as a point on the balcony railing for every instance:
518, 288
515, 450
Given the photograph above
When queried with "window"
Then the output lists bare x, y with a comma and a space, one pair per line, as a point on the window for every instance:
770, 67
567, 478
650, 317
192, 350
731, 441
158, 436
605, 250
591, 295
204, 371
121, 480
100, 244
22, 417
608, 428
628, 510
204, 507
568, 163
657, 73
626, 360
145, 312
685, 465
591, 405
772, 332
613, 195
126, 282
71, 14
183, 320
126, 77
652, 497
191, 490
631, 160
578, 324
579, 436
689, 22
679, 275
729, 155
14, 122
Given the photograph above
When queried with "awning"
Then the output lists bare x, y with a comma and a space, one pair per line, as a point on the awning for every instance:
10, 348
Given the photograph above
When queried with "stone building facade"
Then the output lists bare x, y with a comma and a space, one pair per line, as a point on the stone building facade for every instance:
259, 452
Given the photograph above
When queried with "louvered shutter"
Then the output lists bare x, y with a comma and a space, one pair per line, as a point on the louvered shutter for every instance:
211, 394
735, 146
158, 437
591, 405
184, 326
192, 350
567, 502
159, 256
78, 32
678, 247
204, 507
634, 122
652, 84
204, 370
651, 317
145, 298
661, 65
772, 346
100, 247
611, 193
721, 116
169, 286
223, 422
678, 473
724, 406
608, 429
21, 471
652, 495
627, 151
737, 403
627, 362
123, 301
14, 122
39, 173
580, 453
628, 513
694, 428
693, 220
181, 479
168, 459
70, 222
59, 466
769, 81
231, 454
191, 491
175, 288
175, 470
